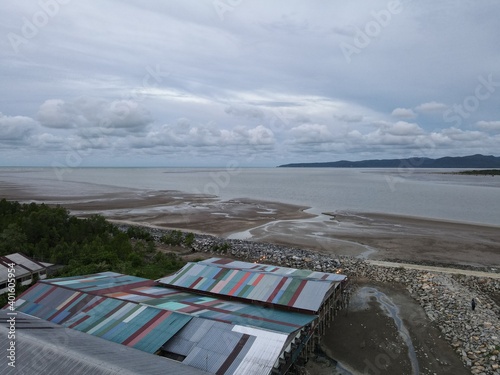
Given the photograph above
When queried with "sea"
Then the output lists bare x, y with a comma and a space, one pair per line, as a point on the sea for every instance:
426, 193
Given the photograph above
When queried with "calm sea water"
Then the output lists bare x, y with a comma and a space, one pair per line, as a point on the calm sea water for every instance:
423, 193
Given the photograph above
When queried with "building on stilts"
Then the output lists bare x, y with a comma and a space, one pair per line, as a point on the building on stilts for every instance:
218, 316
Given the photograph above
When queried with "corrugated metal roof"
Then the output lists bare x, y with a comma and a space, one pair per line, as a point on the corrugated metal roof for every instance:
135, 312
127, 323
24, 266
305, 290
105, 281
266, 268
230, 312
144, 291
45, 348
264, 351
212, 346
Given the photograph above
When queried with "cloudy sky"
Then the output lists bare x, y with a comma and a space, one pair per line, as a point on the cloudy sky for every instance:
260, 83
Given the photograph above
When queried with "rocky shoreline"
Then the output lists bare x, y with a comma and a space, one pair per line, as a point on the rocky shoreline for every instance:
446, 298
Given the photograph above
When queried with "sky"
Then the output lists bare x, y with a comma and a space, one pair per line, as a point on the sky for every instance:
187, 83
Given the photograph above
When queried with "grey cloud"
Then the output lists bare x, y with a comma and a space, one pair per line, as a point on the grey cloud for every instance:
245, 111
431, 107
48, 141
464, 135
183, 134
401, 128
312, 133
106, 116
54, 113
349, 118
404, 113
400, 136
15, 129
489, 125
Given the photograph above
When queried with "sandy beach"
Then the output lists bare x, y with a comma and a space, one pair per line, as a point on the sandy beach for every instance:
364, 235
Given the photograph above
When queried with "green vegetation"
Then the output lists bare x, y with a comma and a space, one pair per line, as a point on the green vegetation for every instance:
189, 239
222, 248
139, 234
482, 172
177, 238
174, 238
83, 246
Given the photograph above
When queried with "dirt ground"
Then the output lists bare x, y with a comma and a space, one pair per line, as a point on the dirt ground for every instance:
367, 341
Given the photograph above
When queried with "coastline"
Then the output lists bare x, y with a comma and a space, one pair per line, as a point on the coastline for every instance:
375, 236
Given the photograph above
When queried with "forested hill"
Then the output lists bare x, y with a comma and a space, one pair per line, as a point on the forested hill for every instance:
472, 161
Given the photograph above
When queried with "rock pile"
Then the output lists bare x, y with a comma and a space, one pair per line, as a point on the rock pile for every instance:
474, 334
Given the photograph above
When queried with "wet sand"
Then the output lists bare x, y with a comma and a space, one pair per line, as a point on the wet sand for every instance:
390, 237
389, 333
364, 235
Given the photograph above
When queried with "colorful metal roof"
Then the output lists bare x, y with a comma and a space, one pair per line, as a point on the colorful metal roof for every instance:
304, 290
141, 327
148, 292
275, 270
210, 334
231, 312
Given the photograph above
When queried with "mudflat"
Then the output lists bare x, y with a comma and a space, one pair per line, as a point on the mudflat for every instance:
364, 235
375, 344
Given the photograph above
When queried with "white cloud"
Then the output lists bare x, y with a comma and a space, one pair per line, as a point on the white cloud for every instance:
488, 125
260, 136
431, 107
404, 113
184, 134
53, 113
401, 128
464, 135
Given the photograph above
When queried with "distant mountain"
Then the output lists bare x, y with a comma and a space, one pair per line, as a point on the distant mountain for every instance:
471, 161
